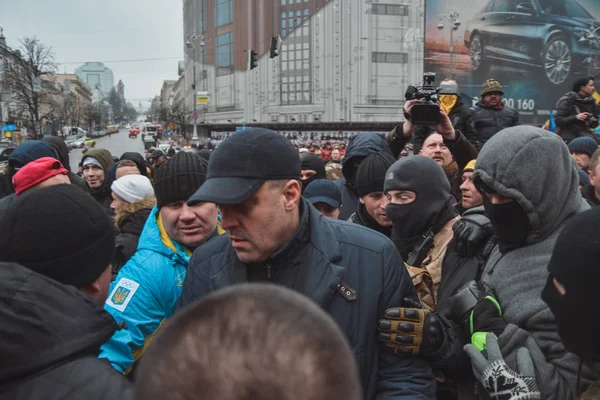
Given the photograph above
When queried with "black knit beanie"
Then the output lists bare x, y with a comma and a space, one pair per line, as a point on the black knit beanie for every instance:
179, 178
60, 232
371, 173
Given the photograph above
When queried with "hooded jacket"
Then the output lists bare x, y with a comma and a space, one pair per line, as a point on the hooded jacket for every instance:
144, 293
50, 337
322, 256
60, 147
461, 117
130, 223
103, 194
490, 120
359, 147
515, 164
566, 116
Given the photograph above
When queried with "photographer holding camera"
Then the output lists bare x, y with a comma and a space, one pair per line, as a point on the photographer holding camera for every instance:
577, 111
459, 113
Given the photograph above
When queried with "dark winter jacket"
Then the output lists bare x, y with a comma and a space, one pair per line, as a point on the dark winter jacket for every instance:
461, 149
550, 198
359, 147
567, 108
103, 194
323, 255
489, 120
589, 193
362, 217
130, 223
62, 152
461, 117
50, 335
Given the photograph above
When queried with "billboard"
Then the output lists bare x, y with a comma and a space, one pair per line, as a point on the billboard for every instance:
535, 48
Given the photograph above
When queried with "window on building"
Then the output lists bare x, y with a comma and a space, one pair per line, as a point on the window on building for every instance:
224, 53
203, 15
298, 18
306, 13
283, 2
390, 58
389, 9
223, 12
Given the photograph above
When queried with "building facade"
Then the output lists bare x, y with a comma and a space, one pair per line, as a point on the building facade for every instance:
340, 60
99, 78
121, 89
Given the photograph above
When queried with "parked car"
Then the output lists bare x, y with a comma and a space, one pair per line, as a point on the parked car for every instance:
560, 37
5, 153
70, 139
89, 142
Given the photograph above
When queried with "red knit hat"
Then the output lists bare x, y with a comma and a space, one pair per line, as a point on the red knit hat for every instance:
37, 171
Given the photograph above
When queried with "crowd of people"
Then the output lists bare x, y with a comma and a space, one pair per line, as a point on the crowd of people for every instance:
266, 270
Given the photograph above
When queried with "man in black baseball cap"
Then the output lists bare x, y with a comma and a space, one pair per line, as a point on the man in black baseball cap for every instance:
325, 196
275, 235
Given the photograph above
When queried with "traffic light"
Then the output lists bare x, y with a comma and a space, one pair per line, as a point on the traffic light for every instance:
252, 60
275, 46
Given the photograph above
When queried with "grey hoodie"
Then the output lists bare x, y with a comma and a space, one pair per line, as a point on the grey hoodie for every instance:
534, 167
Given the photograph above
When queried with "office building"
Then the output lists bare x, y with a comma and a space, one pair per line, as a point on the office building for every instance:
99, 78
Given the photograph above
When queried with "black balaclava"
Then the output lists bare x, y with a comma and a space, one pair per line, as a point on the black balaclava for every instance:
432, 206
510, 221
575, 264
315, 163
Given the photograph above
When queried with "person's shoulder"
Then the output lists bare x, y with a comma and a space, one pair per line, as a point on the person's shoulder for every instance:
355, 235
147, 263
211, 251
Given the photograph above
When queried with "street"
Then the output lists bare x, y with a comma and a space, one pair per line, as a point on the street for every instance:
117, 144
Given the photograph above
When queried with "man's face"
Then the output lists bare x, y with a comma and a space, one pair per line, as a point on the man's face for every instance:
307, 174
126, 170
492, 99
401, 196
187, 225
375, 204
595, 177
470, 195
93, 176
434, 148
118, 204
335, 154
588, 89
582, 160
262, 225
328, 211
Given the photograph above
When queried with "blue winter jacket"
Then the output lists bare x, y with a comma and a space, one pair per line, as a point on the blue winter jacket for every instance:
144, 293
323, 256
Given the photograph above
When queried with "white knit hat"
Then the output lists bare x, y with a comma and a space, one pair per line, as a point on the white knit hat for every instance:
132, 188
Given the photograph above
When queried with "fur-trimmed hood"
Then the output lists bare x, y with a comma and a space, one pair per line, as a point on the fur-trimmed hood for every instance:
133, 217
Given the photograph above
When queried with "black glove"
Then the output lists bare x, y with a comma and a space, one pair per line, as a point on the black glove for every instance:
411, 330
471, 232
486, 317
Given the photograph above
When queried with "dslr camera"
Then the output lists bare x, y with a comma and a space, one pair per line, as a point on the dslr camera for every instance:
428, 111
593, 122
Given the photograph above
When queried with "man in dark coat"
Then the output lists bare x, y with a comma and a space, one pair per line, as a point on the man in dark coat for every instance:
576, 110
459, 113
51, 312
491, 115
274, 235
96, 164
62, 153
358, 149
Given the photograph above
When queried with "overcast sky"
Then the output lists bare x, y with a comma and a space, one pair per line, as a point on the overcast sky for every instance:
105, 30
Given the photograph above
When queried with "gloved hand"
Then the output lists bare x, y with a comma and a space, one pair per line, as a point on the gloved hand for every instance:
410, 330
471, 232
485, 317
499, 381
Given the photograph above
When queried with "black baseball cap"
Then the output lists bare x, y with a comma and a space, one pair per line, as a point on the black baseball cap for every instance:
323, 191
242, 163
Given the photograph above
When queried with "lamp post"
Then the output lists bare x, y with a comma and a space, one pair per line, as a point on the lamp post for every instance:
190, 44
452, 18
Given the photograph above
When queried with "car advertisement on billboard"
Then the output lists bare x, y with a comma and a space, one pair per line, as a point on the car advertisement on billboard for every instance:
535, 48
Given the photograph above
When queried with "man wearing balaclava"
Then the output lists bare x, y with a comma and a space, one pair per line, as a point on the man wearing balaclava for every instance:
422, 214
313, 168
528, 207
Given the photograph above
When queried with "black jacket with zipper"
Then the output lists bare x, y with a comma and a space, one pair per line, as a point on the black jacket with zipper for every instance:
50, 336
490, 120
322, 255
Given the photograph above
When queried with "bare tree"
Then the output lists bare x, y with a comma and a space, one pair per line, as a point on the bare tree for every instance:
31, 61
178, 114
